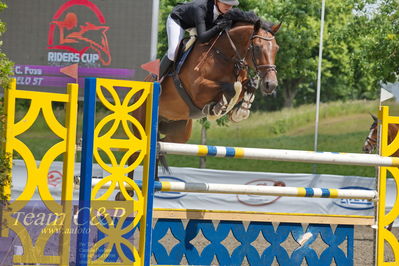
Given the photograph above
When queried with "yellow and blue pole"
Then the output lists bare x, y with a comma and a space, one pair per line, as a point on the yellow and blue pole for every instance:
82, 248
149, 174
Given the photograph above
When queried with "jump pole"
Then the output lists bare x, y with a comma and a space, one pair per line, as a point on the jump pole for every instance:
258, 190
278, 155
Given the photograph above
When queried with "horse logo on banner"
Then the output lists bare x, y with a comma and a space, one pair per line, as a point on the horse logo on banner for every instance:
78, 31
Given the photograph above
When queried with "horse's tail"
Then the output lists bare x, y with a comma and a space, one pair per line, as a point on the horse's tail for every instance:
164, 164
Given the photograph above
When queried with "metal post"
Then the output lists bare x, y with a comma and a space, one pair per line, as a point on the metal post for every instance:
316, 131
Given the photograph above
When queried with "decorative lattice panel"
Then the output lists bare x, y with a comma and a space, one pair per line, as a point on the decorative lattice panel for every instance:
273, 239
388, 147
120, 132
32, 228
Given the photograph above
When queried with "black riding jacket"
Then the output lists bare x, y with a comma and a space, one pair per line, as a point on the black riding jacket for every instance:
198, 14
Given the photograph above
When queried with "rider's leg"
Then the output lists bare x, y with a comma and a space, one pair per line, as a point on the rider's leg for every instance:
164, 66
175, 35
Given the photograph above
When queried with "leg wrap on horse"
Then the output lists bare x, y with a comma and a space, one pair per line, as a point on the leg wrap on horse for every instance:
231, 93
240, 113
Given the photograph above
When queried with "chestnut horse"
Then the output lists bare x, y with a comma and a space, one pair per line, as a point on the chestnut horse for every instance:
371, 140
215, 70
216, 74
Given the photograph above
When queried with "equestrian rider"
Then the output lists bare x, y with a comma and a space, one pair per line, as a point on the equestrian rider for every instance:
204, 15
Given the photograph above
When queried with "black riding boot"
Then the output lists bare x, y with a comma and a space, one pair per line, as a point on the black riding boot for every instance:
164, 66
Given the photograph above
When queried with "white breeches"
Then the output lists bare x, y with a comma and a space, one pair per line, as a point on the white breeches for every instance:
175, 35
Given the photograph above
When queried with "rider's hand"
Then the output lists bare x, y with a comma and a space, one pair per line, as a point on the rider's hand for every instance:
224, 24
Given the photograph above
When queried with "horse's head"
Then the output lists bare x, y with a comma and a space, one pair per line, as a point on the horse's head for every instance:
263, 50
371, 140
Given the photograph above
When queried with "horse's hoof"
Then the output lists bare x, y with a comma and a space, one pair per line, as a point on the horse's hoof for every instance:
238, 114
120, 197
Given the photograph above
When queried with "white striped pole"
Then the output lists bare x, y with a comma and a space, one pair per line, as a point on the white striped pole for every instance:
258, 190
269, 190
278, 155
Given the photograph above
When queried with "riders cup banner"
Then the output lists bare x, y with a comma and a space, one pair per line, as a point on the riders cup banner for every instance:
105, 38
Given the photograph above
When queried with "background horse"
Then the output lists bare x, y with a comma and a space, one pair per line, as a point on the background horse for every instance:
371, 140
370, 144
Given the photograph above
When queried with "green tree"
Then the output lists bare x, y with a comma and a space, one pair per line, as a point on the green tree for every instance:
5, 74
6, 65
360, 49
377, 22
344, 74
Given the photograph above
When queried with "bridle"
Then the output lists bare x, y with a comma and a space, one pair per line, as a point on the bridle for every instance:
241, 64
369, 140
268, 67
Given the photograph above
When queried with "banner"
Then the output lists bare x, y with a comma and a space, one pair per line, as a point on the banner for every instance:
106, 39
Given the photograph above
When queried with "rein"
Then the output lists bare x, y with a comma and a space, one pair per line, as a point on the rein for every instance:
196, 68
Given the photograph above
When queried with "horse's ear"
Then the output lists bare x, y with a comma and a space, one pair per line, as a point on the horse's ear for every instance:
374, 117
274, 29
257, 26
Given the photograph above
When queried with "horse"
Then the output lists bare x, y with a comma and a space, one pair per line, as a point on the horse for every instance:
370, 143
215, 76
216, 70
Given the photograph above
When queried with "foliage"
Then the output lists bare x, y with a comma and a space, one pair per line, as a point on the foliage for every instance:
343, 78
5, 169
359, 49
6, 65
5, 74
377, 22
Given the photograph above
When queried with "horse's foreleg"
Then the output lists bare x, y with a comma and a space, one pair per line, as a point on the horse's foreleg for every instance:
241, 112
225, 96
230, 97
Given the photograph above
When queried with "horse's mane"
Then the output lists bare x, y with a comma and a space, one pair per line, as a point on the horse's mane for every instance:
238, 15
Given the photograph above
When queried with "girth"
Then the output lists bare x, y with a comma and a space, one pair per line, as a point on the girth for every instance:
195, 111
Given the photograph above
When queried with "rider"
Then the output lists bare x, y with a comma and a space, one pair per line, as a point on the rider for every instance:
204, 15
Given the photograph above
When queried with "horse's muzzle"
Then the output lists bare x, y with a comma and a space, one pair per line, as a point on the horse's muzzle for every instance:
368, 148
267, 87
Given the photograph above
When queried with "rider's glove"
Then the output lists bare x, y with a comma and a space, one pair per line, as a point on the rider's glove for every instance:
224, 24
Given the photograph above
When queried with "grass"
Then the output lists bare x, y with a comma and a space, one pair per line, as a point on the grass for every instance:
343, 127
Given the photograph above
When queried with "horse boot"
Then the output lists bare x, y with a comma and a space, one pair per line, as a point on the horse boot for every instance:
230, 96
242, 112
220, 107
